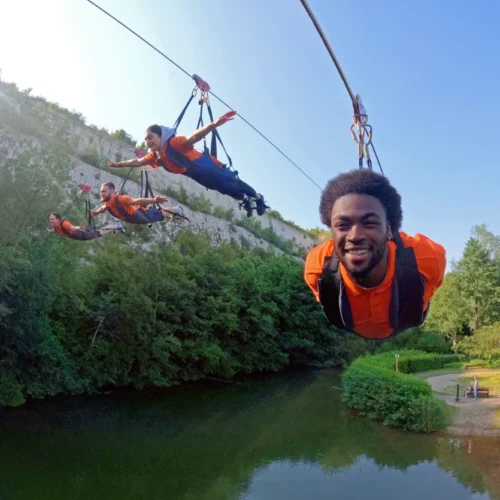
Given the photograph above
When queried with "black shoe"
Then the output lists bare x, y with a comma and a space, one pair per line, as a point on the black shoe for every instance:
247, 205
261, 205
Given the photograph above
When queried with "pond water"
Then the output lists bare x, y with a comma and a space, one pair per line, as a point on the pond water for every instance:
287, 436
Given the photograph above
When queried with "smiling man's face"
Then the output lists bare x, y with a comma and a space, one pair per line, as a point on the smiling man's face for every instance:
360, 233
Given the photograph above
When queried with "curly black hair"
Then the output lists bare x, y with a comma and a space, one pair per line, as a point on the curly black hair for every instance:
362, 181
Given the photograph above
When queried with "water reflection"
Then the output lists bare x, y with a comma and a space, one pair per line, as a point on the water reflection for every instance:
363, 479
283, 437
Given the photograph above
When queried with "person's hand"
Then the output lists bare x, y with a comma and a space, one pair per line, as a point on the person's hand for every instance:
82, 227
160, 199
113, 164
225, 118
93, 213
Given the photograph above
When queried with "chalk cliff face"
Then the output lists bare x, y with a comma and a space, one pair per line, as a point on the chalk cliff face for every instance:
91, 148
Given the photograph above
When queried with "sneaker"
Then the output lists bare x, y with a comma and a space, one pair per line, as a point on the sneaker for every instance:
119, 228
247, 205
261, 205
176, 212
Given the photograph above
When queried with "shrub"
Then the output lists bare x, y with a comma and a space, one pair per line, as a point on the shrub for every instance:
223, 213
413, 361
377, 391
459, 365
200, 203
91, 157
10, 391
419, 339
268, 234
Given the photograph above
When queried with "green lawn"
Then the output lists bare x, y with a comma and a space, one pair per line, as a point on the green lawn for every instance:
490, 379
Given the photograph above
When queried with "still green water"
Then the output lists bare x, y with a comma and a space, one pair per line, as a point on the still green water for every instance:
282, 437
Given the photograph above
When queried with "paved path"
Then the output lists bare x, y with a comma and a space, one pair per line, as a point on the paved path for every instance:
474, 416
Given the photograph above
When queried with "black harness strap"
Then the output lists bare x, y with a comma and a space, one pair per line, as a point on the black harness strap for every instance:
216, 137
408, 287
146, 188
331, 293
90, 219
183, 112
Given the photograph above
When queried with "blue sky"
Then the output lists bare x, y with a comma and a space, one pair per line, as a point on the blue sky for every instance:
427, 71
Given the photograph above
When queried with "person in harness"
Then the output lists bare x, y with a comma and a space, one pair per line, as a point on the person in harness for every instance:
133, 210
371, 278
177, 155
63, 227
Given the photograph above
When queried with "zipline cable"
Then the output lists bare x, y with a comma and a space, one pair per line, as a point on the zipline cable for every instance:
355, 102
214, 95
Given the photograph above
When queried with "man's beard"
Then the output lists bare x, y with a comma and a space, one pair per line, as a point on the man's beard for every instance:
360, 274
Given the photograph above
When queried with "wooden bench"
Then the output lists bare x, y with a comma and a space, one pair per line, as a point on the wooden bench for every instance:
482, 392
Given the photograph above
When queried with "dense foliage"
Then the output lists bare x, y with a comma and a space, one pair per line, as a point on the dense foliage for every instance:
179, 312
374, 388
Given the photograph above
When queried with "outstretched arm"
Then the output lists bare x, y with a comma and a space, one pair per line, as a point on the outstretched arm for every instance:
100, 210
204, 131
148, 201
134, 162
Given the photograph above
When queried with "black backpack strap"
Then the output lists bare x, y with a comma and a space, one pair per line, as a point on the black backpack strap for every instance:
332, 295
408, 288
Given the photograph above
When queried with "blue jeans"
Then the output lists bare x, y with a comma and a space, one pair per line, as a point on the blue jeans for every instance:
475, 392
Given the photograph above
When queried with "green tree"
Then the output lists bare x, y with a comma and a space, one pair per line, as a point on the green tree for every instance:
488, 240
485, 344
450, 310
321, 234
479, 280
124, 136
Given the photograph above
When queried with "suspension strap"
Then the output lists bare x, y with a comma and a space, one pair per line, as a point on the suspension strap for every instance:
216, 137
363, 137
201, 85
88, 208
85, 191
146, 188
122, 187
183, 112
200, 123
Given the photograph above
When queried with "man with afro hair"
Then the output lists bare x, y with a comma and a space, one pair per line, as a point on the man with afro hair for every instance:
371, 278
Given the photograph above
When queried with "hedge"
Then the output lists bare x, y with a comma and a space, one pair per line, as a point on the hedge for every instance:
375, 390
